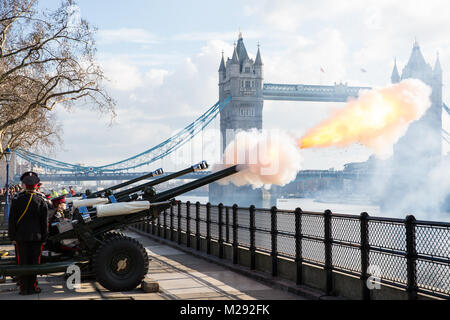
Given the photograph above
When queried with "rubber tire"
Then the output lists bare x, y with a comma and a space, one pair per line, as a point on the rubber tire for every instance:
111, 234
114, 248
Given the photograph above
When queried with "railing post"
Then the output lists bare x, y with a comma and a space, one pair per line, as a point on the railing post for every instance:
165, 223
252, 238
411, 257
208, 228
364, 222
235, 234
298, 246
197, 225
188, 224
274, 233
220, 231
328, 252
227, 225
171, 223
179, 222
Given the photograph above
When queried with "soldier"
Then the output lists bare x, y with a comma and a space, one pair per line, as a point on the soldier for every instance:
59, 206
28, 229
64, 191
71, 192
54, 193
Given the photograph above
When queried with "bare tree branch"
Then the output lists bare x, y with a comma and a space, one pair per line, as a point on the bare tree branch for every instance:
45, 62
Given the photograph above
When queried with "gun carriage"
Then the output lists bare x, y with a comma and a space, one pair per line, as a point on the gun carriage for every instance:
89, 238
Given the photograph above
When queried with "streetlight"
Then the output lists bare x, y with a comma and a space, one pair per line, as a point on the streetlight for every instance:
8, 155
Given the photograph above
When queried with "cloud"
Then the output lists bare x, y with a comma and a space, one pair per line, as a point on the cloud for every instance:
126, 35
212, 36
300, 62
123, 75
156, 76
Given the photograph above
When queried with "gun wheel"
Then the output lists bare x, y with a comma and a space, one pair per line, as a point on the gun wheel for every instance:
112, 234
120, 263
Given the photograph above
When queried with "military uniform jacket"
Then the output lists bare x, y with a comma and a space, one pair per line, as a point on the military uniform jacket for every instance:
33, 226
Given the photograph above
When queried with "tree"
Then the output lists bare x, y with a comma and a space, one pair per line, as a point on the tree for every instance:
46, 60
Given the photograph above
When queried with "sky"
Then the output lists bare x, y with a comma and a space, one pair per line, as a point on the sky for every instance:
162, 58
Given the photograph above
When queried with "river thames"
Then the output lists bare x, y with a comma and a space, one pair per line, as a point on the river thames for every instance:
310, 204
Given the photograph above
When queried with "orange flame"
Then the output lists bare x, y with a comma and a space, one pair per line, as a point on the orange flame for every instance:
377, 119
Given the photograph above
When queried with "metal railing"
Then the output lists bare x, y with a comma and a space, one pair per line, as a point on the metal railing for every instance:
405, 253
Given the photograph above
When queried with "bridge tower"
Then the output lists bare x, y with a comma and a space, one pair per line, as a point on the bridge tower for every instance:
423, 139
242, 78
420, 149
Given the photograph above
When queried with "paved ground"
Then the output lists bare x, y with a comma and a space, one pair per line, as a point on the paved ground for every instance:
179, 275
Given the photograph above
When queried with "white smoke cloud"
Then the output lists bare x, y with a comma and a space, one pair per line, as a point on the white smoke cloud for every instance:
264, 158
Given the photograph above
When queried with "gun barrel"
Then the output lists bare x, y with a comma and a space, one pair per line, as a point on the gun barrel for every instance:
169, 194
201, 166
155, 173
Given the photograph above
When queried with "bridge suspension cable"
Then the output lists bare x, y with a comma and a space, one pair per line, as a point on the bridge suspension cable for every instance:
446, 136
151, 155
445, 132
446, 108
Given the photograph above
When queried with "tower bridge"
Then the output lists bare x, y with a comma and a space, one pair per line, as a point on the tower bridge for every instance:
71, 177
300, 92
242, 92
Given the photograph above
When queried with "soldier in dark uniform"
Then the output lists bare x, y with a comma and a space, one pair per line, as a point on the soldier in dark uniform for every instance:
28, 229
56, 213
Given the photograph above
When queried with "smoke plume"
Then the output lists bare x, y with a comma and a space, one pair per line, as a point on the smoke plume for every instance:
377, 119
264, 158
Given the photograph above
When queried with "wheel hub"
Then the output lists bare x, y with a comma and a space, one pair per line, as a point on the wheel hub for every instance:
122, 264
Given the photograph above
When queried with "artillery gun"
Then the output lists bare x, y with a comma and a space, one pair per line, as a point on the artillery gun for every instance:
88, 240
109, 190
147, 188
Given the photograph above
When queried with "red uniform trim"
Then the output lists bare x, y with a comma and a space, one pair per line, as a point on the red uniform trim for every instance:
40, 255
39, 262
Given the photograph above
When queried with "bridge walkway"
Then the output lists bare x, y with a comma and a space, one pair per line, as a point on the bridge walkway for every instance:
180, 276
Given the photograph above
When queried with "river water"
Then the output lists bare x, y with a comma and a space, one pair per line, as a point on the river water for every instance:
310, 204
307, 204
